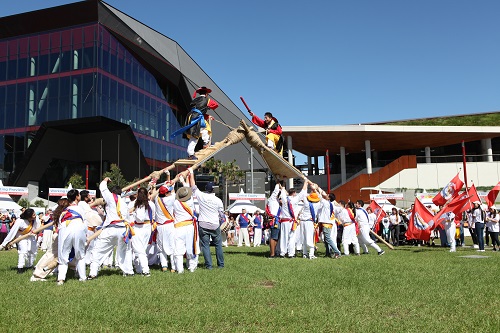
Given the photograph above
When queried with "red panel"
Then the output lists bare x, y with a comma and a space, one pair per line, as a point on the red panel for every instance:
13, 49
23, 45
34, 46
44, 44
3, 49
55, 40
89, 35
66, 40
77, 37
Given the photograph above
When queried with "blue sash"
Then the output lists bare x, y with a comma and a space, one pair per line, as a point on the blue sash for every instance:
194, 121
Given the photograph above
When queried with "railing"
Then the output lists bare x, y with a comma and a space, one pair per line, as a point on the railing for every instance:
457, 158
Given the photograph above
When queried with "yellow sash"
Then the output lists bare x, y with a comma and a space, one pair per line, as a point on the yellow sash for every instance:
28, 229
164, 209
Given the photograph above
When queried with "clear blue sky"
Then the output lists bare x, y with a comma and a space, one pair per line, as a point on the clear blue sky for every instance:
329, 62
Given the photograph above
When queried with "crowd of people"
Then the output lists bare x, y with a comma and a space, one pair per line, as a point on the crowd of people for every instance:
159, 226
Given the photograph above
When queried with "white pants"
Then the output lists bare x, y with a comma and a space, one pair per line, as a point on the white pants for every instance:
184, 242
349, 237
365, 239
47, 239
193, 141
47, 259
71, 236
165, 240
451, 229
110, 237
26, 250
286, 242
298, 238
257, 237
307, 228
139, 244
244, 236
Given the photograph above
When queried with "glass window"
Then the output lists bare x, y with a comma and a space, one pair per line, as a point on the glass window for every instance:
43, 64
12, 69
23, 64
44, 44
10, 110
54, 104
66, 61
104, 85
3, 69
88, 57
54, 64
89, 36
2, 107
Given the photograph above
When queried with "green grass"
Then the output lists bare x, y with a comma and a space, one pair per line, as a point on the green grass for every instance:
411, 289
485, 119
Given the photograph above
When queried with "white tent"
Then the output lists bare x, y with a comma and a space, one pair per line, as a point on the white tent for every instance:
238, 205
6, 201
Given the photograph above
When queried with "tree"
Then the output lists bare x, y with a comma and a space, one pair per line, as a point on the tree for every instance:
24, 203
116, 176
76, 181
38, 203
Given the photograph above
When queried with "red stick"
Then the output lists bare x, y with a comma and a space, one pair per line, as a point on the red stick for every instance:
465, 165
248, 109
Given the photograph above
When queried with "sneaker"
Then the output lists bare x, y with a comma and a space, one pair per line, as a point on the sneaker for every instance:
192, 158
381, 253
192, 270
271, 257
35, 279
453, 250
476, 246
358, 254
20, 270
91, 277
312, 257
366, 253
128, 275
146, 274
82, 280
336, 256
60, 282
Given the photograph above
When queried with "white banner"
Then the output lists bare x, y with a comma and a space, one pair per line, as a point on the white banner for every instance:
13, 190
61, 192
387, 196
247, 196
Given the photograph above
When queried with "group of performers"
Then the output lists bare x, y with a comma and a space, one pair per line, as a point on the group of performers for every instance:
158, 224
295, 218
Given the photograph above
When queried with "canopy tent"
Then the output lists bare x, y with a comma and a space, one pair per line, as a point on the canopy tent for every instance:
238, 205
6, 202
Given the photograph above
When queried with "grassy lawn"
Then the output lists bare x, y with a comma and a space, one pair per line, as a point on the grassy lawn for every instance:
410, 289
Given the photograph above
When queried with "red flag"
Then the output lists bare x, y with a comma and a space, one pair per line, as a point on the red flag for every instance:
379, 212
449, 191
418, 227
473, 196
457, 206
492, 195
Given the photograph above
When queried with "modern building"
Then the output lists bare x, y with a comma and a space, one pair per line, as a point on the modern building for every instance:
400, 155
85, 84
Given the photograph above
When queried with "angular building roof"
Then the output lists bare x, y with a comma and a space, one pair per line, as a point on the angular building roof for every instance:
162, 56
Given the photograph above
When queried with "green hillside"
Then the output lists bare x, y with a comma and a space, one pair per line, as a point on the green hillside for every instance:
484, 119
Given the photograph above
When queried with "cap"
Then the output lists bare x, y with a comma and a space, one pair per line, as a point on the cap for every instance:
165, 189
209, 188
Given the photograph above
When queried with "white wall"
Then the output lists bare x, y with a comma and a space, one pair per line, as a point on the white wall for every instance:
437, 175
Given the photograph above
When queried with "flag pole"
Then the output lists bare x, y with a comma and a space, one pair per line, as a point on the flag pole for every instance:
465, 166
327, 169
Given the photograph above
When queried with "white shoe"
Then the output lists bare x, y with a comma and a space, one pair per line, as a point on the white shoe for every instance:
60, 282
192, 270
36, 279
476, 246
453, 250
312, 257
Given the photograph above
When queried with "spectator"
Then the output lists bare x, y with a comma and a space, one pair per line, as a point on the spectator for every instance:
394, 226
492, 219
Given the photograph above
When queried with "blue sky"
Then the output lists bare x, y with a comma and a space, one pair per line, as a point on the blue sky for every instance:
331, 62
